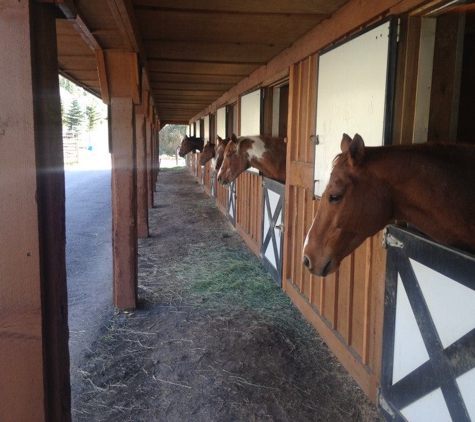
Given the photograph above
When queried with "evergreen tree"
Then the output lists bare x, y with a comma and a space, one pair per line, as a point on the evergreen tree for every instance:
92, 117
74, 116
63, 114
66, 84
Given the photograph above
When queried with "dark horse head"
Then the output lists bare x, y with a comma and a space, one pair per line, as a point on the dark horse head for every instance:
189, 144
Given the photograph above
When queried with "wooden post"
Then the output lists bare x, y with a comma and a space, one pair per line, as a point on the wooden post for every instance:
124, 203
123, 83
148, 136
34, 357
142, 185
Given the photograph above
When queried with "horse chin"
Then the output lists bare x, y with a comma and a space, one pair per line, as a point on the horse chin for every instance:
329, 267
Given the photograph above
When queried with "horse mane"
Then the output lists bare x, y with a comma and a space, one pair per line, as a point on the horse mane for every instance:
439, 149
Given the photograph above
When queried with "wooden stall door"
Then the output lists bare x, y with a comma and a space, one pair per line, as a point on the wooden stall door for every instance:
273, 227
429, 331
346, 308
249, 209
231, 203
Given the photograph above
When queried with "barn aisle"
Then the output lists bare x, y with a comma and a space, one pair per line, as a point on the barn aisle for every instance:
214, 338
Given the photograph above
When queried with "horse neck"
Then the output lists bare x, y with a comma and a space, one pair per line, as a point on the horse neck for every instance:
271, 165
197, 143
425, 182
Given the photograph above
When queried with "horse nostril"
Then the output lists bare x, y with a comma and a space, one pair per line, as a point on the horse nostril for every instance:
306, 261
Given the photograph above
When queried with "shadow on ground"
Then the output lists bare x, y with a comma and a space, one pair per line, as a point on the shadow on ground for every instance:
214, 339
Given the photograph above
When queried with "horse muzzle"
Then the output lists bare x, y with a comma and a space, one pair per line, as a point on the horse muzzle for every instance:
327, 268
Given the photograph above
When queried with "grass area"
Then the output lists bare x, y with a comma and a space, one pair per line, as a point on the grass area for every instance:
234, 278
171, 169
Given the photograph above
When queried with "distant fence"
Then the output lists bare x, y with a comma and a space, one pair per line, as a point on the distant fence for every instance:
70, 147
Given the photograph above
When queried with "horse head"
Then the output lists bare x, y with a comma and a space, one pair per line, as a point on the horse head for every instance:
234, 163
209, 152
184, 147
355, 205
220, 147
189, 144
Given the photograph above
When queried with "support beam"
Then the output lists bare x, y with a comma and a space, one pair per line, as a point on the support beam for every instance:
34, 356
124, 203
148, 139
142, 185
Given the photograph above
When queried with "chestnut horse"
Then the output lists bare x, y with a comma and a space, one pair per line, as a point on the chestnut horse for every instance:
220, 147
209, 152
265, 153
430, 186
189, 144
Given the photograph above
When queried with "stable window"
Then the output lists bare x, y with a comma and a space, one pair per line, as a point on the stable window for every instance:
198, 128
206, 132
202, 128
221, 122
231, 119
276, 110
445, 95
355, 95
251, 113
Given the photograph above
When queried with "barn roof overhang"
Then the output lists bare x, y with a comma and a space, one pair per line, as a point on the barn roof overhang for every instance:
192, 52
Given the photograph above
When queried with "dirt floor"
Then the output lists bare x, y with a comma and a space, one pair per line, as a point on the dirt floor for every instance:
213, 338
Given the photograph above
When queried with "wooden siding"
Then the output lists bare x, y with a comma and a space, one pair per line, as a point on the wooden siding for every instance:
192, 163
207, 172
249, 209
347, 307
221, 197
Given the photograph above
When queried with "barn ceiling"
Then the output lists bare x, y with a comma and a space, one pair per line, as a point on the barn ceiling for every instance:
193, 51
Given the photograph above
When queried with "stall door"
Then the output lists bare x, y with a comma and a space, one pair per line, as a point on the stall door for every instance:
355, 95
232, 203
429, 331
273, 228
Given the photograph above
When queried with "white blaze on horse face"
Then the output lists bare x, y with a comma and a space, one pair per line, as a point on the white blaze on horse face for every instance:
257, 148
306, 240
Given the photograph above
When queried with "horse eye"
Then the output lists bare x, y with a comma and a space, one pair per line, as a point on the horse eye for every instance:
335, 198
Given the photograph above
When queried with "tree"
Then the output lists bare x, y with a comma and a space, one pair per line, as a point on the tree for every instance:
67, 84
74, 116
92, 117
170, 138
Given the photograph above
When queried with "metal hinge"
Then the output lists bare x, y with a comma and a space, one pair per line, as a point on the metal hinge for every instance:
384, 404
390, 240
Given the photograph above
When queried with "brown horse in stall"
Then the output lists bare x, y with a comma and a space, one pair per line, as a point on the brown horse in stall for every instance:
216, 151
209, 152
430, 186
220, 147
265, 153
189, 144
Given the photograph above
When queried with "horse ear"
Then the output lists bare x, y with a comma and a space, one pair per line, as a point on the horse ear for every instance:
356, 150
219, 138
345, 143
234, 138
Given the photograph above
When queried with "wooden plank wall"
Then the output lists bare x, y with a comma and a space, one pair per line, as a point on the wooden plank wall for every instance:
192, 163
207, 171
346, 308
197, 166
221, 197
249, 209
